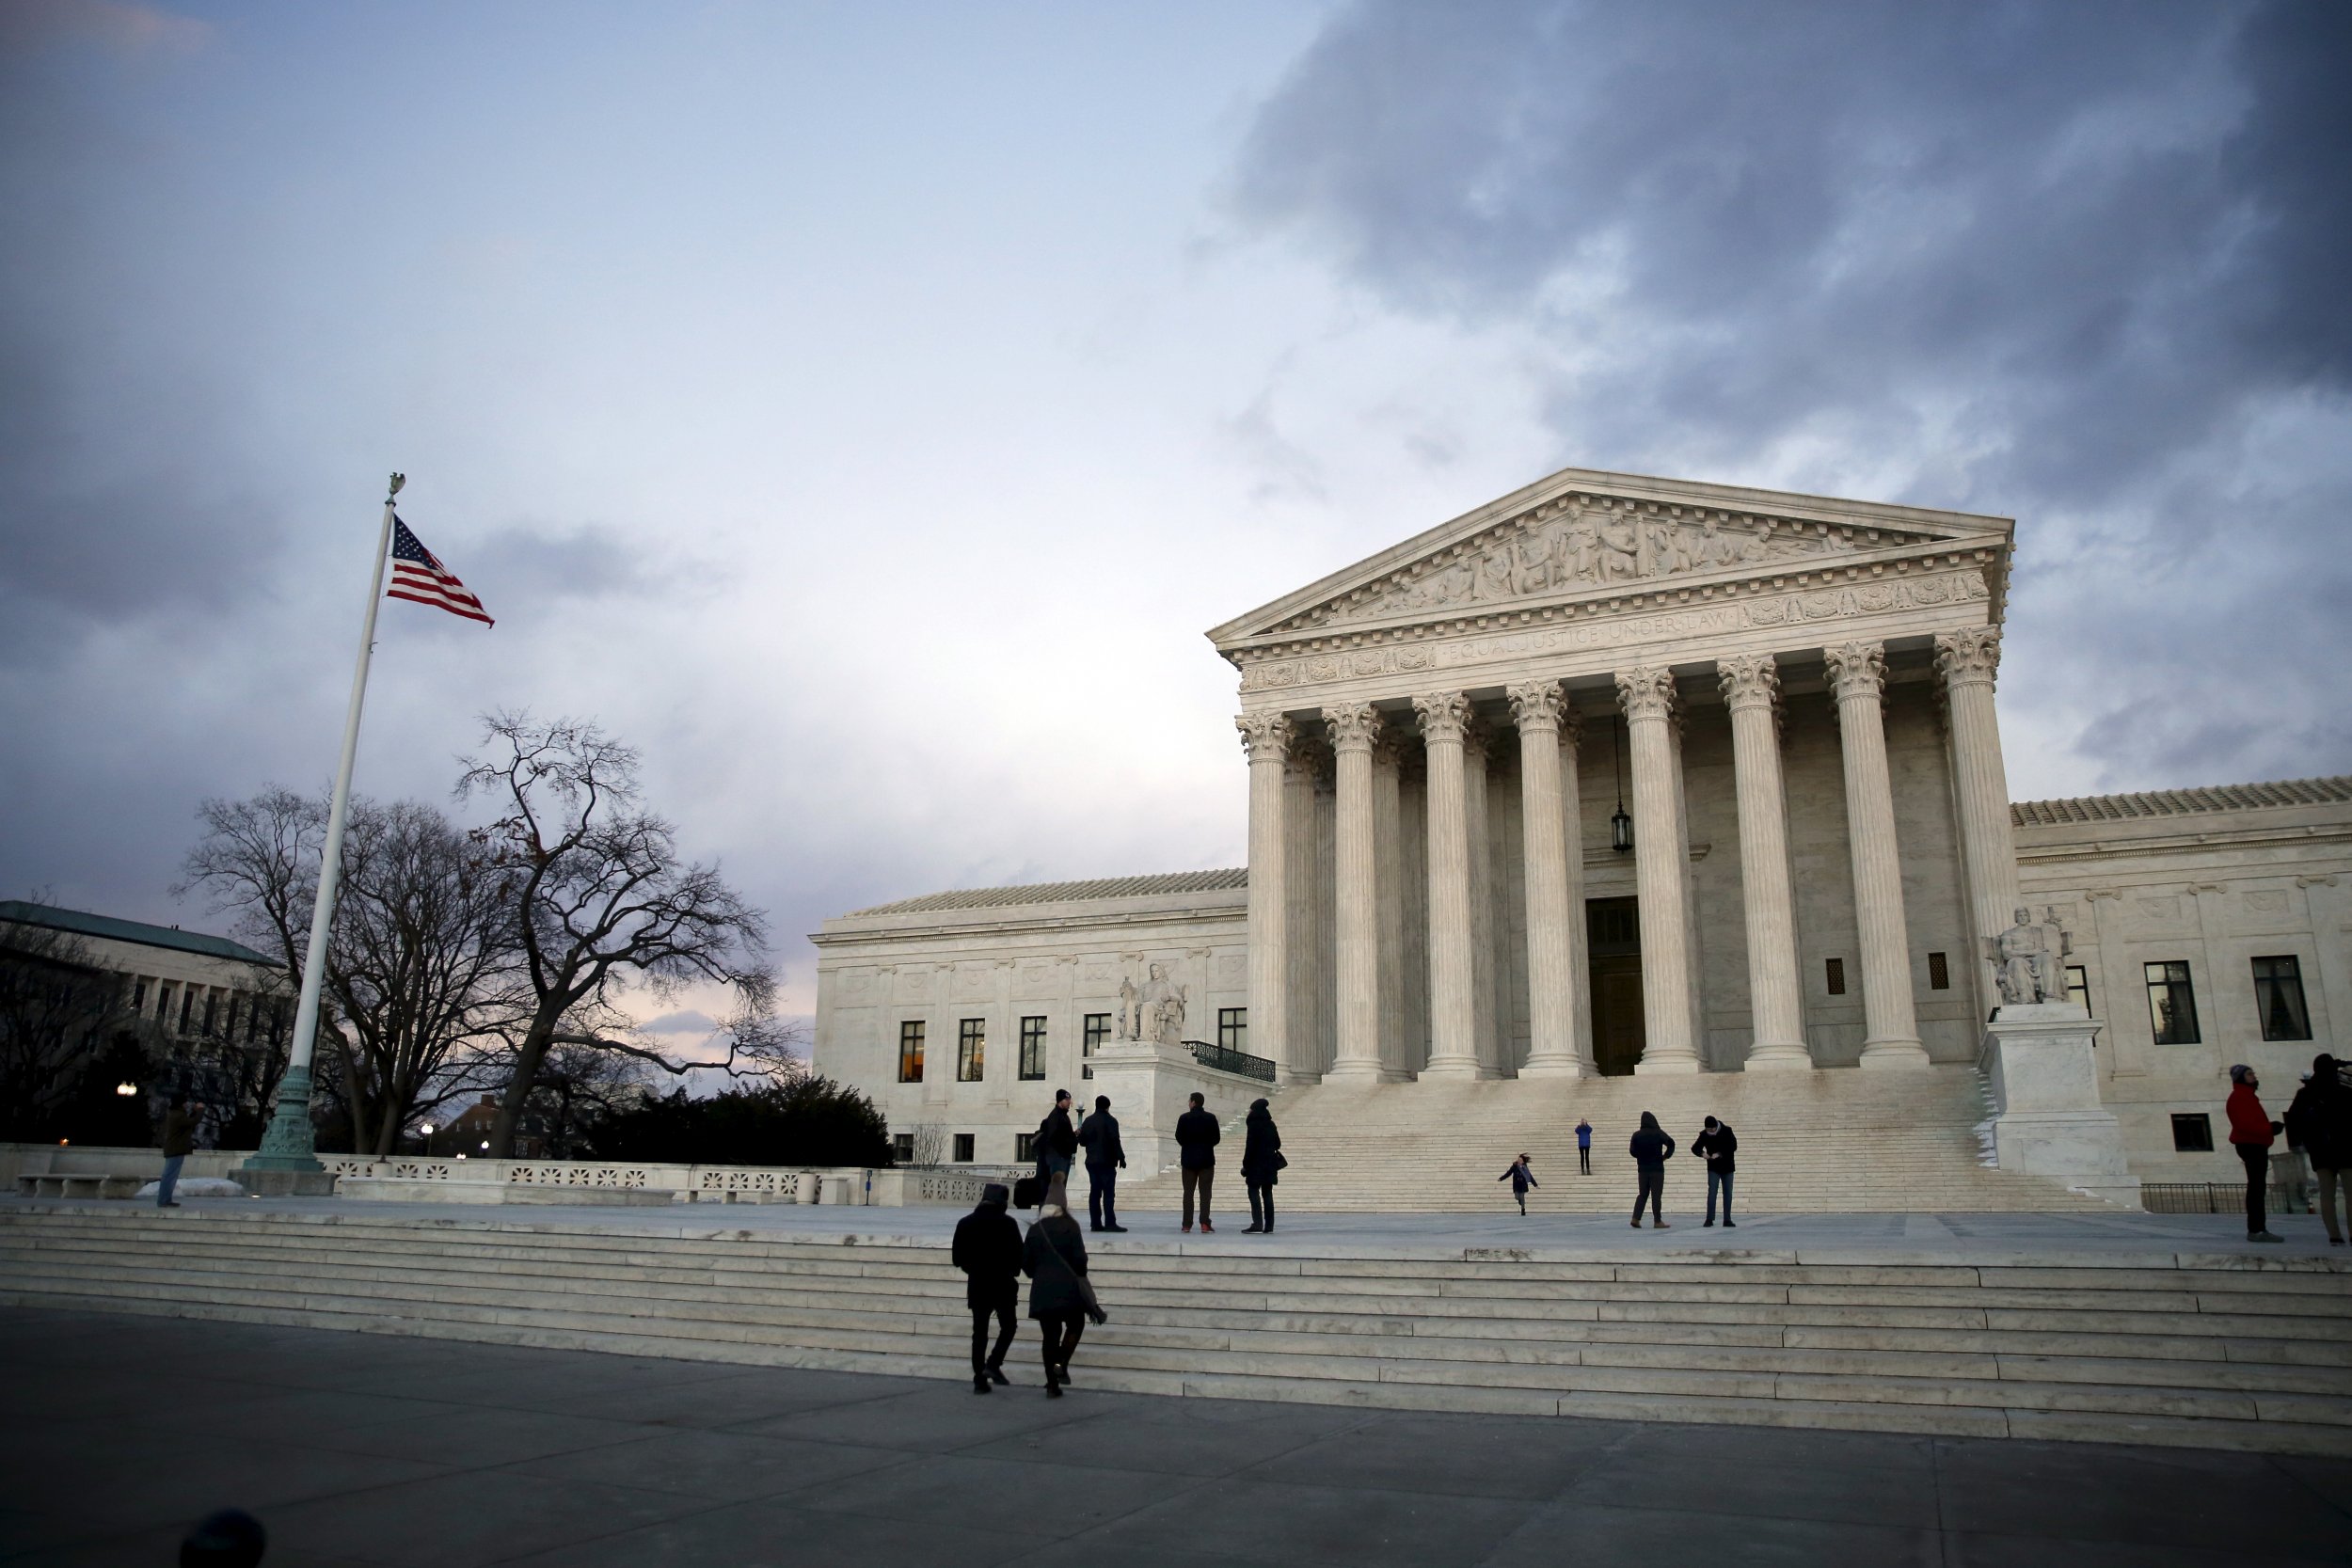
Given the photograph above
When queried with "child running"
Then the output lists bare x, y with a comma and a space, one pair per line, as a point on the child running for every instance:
1520, 1178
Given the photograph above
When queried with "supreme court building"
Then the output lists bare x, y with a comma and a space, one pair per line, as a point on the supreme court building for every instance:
1620, 775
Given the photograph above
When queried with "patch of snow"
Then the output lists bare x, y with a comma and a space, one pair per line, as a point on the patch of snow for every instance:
195, 1186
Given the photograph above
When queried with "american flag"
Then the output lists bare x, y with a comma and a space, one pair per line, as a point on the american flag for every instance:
420, 577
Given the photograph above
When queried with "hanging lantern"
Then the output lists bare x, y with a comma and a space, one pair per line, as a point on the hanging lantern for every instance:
1620, 825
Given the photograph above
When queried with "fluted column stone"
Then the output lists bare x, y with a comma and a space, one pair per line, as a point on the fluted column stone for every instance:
1266, 739
1857, 673
1486, 982
1969, 662
1302, 1061
1387, 832
1647, 695
1355, 1057
1542, 713
1752, 691
1453, 1014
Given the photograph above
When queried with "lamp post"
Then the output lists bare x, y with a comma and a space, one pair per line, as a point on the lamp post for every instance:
1620, 825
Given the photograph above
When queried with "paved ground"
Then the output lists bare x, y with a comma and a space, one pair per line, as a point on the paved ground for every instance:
117, 1431
1948, 1236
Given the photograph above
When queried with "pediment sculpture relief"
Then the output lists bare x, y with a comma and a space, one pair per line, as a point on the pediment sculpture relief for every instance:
1586, 544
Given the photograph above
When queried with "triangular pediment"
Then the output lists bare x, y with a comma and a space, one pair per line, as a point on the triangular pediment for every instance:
1582, 535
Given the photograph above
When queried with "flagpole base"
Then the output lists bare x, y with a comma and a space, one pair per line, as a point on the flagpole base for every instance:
290, 1143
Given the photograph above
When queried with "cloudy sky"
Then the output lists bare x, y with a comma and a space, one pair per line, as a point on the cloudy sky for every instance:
864, 407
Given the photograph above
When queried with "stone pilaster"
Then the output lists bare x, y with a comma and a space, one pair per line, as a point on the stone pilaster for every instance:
1355, 1057
1542, 714
1752, 691
1266, 739
1649, 697
1969, 661
1857, 673
1453, 1014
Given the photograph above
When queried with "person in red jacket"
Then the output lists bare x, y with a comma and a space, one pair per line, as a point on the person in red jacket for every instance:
2251, 1131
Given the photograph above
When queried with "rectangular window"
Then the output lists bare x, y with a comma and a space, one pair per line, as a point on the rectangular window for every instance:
1032, 1049
138, 999
911, 1051
1232, 1028
902, 1148
2171, 1003
963, 1149
971, 1050
2192, 1133
1024, 1148
1939, 973
187, 1005
1836, 973
1098, 1029
2279, 998
212, 1006
2078, 986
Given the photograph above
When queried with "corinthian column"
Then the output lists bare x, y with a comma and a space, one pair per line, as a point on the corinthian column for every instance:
1649, 697
1266, 739
1356, 1055
1968, 662
1486, 987
1302, 1053
1542, 712
1752, 690
1387, 866
1890, 1027
1453, 1013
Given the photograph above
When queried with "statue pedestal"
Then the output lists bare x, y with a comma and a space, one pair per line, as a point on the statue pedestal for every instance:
1150, 1084
2047, 1120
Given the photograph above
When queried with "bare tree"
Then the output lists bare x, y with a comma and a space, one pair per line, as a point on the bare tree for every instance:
604, 903
931, 1144
58, 1008
420, 968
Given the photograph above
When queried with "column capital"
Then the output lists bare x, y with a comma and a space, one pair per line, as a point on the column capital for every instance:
1856, 670
1968, 657
1539, 705
1749, 680
1266, 736
1355, 726
1648, 691
1443, 715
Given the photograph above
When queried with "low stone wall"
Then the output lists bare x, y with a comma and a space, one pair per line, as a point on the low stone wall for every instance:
692, 1184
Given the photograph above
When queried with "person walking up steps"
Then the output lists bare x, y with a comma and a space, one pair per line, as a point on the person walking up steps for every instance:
1197, 1137
1583, 1147
2320, 1124
1520, 1178
1261, 1160
2252, 1134
1106, 1158
1053, 1256
1651, 1148
988, 1250
1716, 1146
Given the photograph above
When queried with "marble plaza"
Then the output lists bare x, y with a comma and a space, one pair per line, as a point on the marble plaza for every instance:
1628, 776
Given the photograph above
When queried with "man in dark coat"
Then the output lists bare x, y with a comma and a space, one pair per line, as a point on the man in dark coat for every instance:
179, 1141
1716, 1146
1053, 1256
2319, 1122
1106, 1158
1197, 1137
1261, 1160
988, 1250
1651, 1148
1056, 1141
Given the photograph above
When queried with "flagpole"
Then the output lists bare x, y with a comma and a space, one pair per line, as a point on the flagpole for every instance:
288, 1145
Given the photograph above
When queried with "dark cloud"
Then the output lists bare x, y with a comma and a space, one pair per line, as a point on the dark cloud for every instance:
2079, 262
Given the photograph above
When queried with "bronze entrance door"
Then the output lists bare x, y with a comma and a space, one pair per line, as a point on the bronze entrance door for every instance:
1613, 941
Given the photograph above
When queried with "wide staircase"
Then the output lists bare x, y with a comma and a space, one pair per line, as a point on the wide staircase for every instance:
2221, 1352
1833, 1141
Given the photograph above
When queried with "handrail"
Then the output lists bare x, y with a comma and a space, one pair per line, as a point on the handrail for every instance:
1224, 1058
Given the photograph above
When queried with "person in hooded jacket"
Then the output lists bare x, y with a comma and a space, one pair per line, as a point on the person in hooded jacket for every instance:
1716, 1144
1053, 1256
988, 1250
2252, 1134
2319, 1123
1261, 1158
1651, 1148
1520, 1177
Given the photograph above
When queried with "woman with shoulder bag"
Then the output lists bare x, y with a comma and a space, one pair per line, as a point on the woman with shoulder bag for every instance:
1061, 1298
1260, 1162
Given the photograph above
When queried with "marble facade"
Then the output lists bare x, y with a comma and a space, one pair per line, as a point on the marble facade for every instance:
1794, 699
